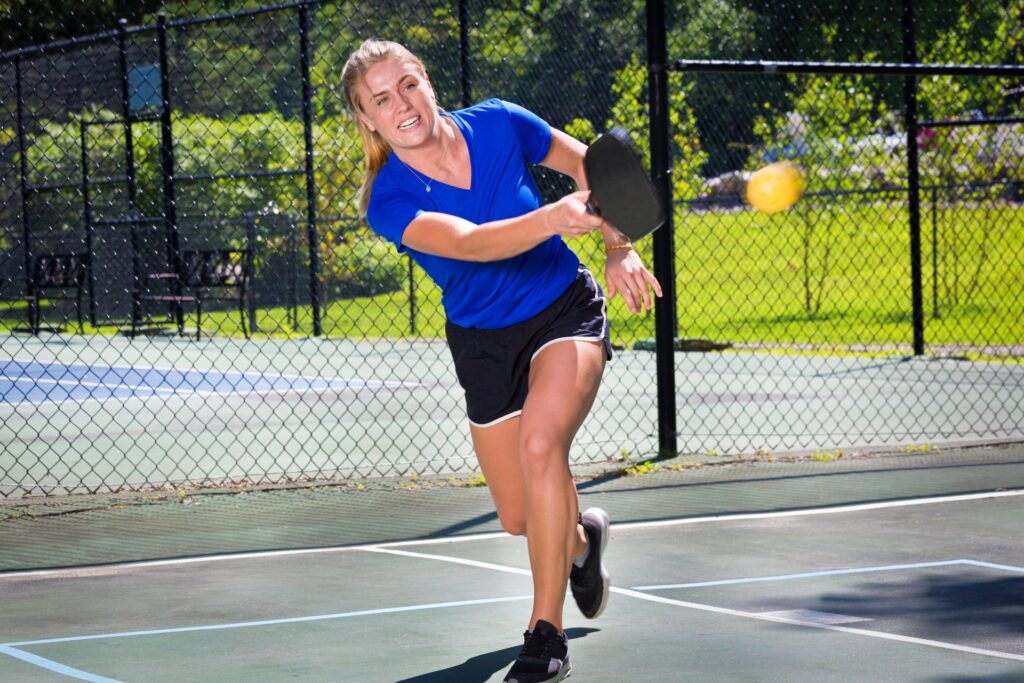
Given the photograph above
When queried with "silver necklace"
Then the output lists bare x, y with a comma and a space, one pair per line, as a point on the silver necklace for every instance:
426, 183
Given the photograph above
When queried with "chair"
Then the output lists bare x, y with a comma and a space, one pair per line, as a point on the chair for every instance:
53, 277
204, 271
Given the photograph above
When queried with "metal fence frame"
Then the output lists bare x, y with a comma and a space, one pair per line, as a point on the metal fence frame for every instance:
659, 68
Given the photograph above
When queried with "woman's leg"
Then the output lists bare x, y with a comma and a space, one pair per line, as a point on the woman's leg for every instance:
497, 451
564, 379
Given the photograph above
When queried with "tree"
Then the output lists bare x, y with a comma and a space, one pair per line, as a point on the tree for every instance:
835, 130
30, 22
973, 163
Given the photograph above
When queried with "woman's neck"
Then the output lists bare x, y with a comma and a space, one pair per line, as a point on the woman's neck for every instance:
442, 157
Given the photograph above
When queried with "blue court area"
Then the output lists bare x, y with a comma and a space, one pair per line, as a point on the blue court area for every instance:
32, 382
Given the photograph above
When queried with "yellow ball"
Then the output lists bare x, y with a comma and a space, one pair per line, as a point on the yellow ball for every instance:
775, 187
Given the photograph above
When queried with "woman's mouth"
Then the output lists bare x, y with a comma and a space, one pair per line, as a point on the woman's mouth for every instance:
408, 123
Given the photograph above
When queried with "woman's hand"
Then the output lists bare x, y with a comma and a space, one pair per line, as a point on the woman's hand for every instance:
569, 217
625, 274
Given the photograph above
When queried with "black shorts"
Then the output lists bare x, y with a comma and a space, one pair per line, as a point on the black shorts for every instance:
493, 366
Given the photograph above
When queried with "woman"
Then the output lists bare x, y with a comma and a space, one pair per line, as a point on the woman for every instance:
526, 323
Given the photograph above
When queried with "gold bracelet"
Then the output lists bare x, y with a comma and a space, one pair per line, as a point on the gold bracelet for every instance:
618, 246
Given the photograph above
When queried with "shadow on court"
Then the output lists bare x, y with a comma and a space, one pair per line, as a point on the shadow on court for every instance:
482, 668
941, 606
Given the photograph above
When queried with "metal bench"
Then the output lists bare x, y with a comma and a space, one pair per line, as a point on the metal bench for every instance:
54, 277
204, 273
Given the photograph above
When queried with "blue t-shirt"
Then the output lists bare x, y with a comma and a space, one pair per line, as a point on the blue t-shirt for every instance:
504, 140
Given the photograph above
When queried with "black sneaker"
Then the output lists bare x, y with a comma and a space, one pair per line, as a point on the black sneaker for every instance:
590, 582
544, 657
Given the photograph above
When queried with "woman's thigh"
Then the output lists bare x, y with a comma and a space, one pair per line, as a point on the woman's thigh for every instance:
564, 379
497, 451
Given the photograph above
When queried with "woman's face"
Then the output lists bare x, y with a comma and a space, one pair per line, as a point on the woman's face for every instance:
398, 102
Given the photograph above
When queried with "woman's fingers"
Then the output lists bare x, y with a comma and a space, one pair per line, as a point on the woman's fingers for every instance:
636, 284
572, 218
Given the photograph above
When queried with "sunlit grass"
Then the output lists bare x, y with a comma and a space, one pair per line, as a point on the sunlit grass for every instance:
834, 277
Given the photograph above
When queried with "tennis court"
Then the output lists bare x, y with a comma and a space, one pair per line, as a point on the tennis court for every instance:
107, 397
35, 383
232, 443
911, 571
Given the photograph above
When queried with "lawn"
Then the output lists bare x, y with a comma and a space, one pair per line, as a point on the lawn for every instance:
835, 275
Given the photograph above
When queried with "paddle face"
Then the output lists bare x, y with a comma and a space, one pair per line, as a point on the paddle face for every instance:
620, 190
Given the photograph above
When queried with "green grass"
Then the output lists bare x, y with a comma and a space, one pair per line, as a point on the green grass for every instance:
741, 278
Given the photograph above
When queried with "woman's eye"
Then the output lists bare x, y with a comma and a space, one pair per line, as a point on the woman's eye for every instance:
382, 102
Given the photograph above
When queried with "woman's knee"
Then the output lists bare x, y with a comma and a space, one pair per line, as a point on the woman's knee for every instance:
540, 452
514, 524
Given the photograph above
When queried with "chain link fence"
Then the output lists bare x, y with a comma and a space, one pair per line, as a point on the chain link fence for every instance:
188, 294
834, 276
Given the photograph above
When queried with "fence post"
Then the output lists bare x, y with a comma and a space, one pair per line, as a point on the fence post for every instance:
412, 297
26, 228
167, 166
129, 160
250, 265
293, 272
664, 249
935, 254
83, 128
307, 125
913, 177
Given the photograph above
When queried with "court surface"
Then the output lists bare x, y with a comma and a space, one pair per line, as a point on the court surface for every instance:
914, 572
403, 410
30, 382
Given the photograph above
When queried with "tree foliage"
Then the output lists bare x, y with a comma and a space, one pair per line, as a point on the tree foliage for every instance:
30, 22
566, 59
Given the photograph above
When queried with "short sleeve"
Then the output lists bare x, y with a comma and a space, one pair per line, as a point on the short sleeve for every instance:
390, 213
533, 132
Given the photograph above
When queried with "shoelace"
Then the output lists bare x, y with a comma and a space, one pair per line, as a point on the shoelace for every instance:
535, 645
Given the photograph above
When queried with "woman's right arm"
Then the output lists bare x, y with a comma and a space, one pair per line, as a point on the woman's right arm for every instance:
452, 237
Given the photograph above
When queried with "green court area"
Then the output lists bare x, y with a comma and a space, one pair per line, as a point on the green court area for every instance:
895, 567
309, 410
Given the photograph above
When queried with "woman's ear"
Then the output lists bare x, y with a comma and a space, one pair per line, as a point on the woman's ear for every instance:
366, 121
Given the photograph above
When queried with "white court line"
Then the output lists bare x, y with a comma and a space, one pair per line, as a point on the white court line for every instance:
827, 572
172, 392
312, 384
392, 549
68, 386
857, 507
98, 570
826, 627
11, 649
633, 593
990, 565
270, 622
453, 560
170, 368
55, 667
36, 381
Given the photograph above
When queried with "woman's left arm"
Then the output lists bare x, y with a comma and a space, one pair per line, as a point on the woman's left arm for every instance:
624, 272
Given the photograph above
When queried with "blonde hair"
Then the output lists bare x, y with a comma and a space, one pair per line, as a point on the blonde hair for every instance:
375, 149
